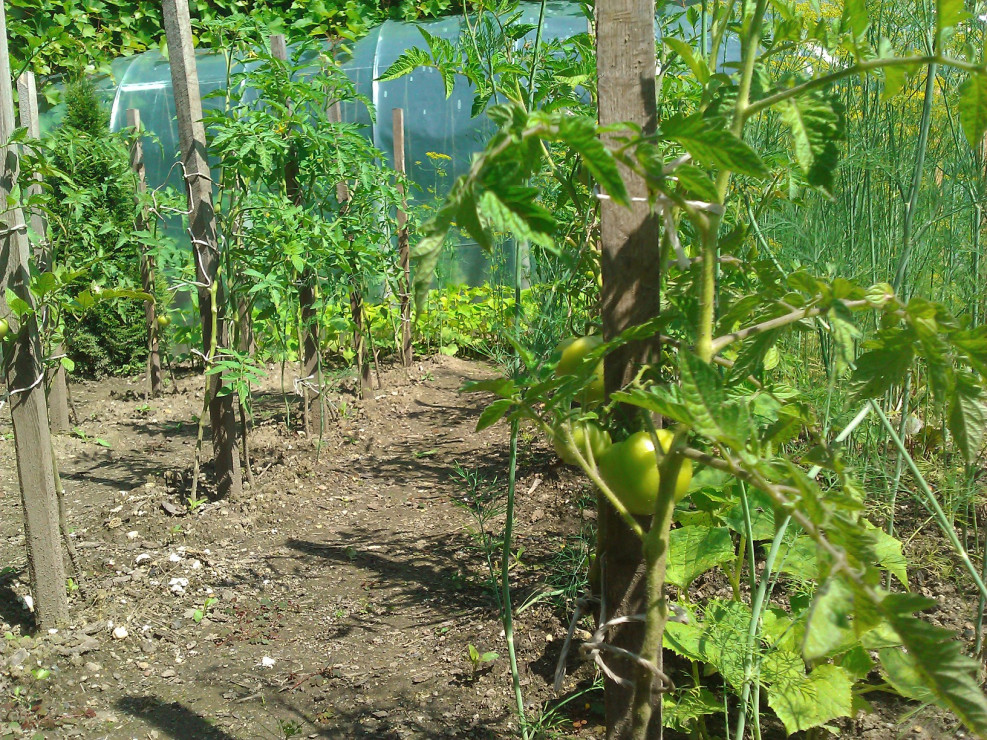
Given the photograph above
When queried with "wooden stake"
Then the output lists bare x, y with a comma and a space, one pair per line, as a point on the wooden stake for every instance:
631, 278
202, 228
147, 260
23, 372
404, 249
56, 380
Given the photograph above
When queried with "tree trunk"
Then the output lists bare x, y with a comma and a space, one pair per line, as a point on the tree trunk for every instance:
631, 279
202, 229
56, 380
147, 261
23, 372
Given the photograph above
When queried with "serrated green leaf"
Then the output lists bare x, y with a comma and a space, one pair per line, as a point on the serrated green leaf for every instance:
761, 507
938, 662
973, 109
693, 550
681, 709
493, 413
855, 17
799, 558
829, 629
723, 643
703, 397
425, 256
680, 47
882, 367
816, 124
822, 696
948, 14
715, 145
889, 553
894, 82
967, 417
406, 63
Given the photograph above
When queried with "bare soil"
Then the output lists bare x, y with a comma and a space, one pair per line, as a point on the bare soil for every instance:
348, 578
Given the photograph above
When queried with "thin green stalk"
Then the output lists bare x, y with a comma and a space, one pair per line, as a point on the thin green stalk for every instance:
981, 606
534, 56
912, 204
933, 503
507, 615
751, 38
896, 482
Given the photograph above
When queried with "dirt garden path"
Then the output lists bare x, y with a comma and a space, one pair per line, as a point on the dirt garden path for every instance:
348, 586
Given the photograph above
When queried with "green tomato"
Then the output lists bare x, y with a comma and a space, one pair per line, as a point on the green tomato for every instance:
630, 469
587, 436
572, 353
163, 321
4, 329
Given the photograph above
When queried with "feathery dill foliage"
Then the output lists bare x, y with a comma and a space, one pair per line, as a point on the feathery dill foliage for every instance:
91, 220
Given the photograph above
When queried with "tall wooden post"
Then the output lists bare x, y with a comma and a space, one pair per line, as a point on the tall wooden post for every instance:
356, 295
311, 355
56, 381
23, 372
404, 249
147, 260
625, 63
202, 228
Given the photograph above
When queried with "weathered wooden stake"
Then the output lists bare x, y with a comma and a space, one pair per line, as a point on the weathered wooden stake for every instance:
23, 372
311, 355
404, 249
356, 296
625, 64
56, 381
202, 228
147, 260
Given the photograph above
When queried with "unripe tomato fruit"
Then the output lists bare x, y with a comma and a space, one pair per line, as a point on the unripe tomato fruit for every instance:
630, 469
587, 436
573, 351
163, 322
4, 329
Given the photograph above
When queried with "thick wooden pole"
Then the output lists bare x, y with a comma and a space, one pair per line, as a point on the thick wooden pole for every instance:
625, 63
147, 260
23, 372
356, 295
310, 354
404, 248
56, 381
202, 228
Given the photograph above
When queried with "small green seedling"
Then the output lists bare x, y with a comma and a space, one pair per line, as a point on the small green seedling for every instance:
198, 614
195, 503
81, 434
478, 659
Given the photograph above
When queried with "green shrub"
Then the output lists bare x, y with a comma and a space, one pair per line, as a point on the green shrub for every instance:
91, 219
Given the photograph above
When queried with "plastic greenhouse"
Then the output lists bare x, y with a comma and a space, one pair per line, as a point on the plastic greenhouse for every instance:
440, 132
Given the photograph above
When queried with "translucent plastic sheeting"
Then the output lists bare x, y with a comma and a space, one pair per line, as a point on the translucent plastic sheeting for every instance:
441, 136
